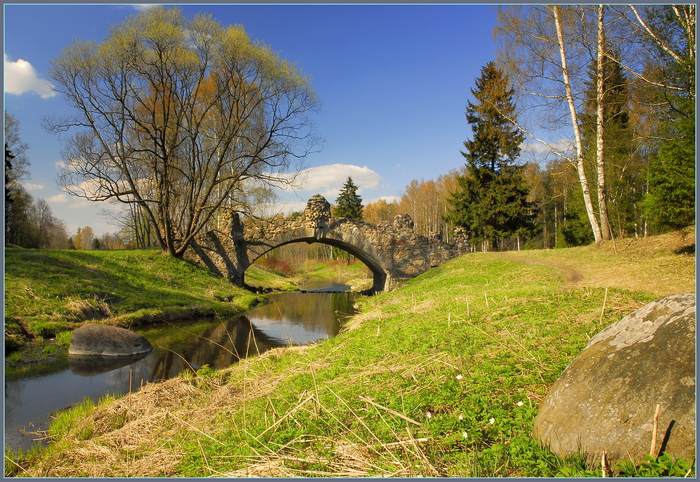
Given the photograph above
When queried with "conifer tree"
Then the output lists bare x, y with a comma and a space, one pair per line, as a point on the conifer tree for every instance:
349, 203
670, 202
491, 201
624, 185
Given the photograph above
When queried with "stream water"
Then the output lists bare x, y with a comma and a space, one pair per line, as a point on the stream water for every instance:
293, 318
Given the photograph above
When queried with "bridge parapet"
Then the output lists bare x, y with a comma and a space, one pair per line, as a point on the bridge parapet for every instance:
390, 249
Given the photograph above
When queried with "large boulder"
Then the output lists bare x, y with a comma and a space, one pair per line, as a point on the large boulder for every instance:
104, 340
606, 400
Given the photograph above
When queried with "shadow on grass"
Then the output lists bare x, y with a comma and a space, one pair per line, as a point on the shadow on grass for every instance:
690, 249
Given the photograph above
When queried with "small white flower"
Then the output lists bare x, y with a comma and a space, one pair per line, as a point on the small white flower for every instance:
461, 417
464, 434
459, 377
520, 403
429, 415
492, 421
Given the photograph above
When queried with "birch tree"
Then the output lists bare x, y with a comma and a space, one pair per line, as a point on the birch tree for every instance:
544, 52
606, 232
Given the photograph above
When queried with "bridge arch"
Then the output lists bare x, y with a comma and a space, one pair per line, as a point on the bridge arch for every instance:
357, 246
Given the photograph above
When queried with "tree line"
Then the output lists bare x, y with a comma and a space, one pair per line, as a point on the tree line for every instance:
29, 223
604, 98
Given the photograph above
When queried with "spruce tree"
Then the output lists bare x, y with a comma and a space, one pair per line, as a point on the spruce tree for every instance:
349, 203
624, 169
491, 202
670, 201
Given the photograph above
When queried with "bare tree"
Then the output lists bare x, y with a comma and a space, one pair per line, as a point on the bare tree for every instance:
673, 36
176, 115
545, 50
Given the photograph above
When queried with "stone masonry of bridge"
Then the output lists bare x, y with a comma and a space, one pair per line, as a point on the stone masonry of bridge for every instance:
390, 249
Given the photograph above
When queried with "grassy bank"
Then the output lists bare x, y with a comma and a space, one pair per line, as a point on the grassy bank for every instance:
285, 275
50, 291
441, 377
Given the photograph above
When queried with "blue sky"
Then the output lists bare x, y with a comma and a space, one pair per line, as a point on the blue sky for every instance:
394, 81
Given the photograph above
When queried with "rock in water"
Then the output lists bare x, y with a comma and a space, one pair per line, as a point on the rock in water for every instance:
605, 401
104, 340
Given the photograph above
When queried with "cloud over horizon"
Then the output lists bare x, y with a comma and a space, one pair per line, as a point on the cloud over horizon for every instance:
329, 179
21, 78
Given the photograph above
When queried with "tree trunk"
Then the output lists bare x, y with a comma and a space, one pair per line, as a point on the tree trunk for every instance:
577, 131
600, 129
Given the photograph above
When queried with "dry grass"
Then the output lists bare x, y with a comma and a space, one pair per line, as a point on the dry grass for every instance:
625, 264
85, 310
139, 423
134, 436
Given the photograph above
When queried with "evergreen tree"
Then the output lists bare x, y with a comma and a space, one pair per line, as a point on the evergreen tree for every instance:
491, 201
624, 186
671, 198
574, 230
19, 204
349, 203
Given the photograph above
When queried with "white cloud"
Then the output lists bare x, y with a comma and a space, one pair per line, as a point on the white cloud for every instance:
561, 145
79, 203
329, 179
33, 187
142, 8
22, 78
286, 208
58, 198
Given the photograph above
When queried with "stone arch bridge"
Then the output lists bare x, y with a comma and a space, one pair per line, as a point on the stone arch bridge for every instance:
391, 250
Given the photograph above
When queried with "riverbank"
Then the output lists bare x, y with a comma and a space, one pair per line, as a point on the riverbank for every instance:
51, 292
441, 377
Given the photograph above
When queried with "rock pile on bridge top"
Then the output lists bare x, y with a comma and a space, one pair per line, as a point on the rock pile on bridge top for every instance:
318, 212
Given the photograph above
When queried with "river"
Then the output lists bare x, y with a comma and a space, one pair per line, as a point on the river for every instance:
293, 318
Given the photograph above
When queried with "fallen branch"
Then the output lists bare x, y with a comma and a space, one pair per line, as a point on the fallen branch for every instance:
602, 312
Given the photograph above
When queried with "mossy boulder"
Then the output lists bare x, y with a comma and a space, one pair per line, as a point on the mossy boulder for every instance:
606, 400
104, 340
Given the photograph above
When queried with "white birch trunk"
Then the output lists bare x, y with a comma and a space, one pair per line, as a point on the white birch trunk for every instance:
600, 129
577, 131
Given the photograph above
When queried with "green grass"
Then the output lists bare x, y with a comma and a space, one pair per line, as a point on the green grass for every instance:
263, 273
355, 274
265, 278
50, 291
441, 377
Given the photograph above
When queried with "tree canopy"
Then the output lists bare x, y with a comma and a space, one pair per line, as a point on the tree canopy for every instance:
180, 116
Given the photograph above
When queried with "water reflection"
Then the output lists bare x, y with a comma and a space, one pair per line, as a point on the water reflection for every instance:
293, 318
289, 319
89, 366
218, 347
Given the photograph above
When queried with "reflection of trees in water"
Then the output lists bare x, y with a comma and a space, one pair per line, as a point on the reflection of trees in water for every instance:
218, 347
316, 312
